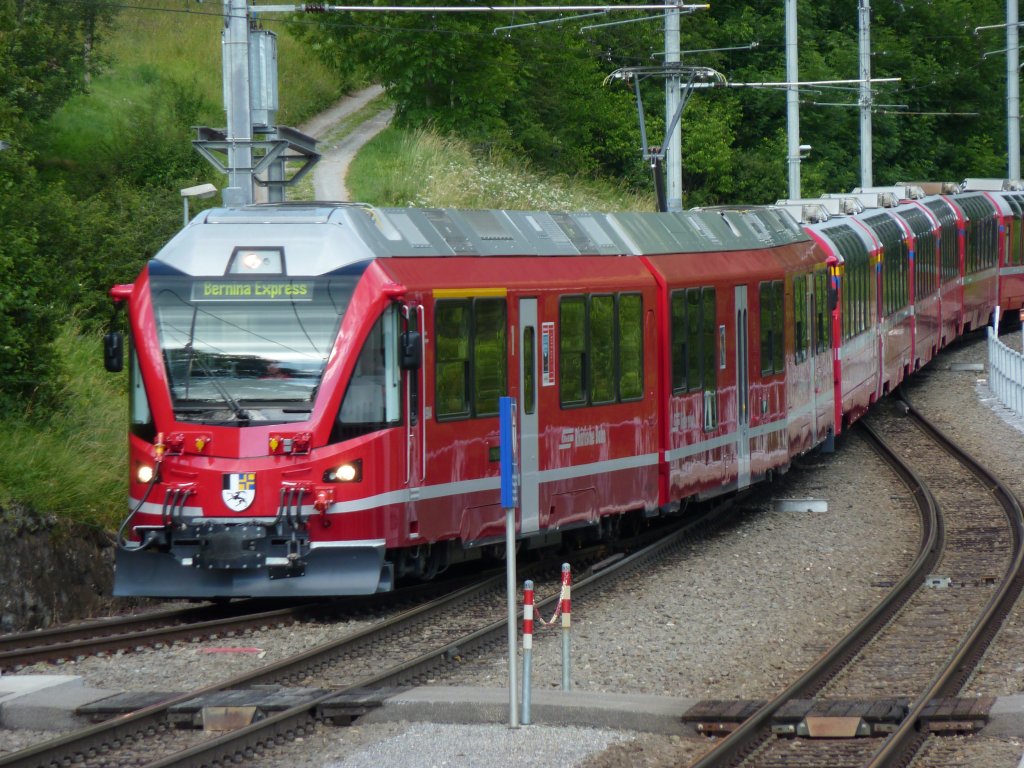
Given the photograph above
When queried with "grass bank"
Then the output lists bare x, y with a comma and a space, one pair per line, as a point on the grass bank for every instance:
74, 464
171, 51
424, 169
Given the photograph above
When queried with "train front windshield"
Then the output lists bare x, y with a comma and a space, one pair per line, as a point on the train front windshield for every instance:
242, 351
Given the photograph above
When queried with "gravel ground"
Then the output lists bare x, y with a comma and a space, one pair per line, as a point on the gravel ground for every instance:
738, 615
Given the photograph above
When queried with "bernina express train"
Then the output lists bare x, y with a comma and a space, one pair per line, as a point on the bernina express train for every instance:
314, 387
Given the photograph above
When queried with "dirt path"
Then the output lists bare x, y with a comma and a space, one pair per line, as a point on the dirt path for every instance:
329, 172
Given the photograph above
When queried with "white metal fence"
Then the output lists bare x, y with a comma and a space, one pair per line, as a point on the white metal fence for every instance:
1005, 373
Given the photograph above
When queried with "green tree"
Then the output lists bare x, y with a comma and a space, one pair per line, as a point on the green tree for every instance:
42, 63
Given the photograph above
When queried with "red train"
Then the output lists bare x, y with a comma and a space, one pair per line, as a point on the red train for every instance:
314, 387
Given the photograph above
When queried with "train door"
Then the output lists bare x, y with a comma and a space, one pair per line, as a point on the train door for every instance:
414, 358
742, 389
529, 500
809, 352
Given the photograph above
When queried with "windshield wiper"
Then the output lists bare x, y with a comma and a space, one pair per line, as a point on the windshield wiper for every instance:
240, 413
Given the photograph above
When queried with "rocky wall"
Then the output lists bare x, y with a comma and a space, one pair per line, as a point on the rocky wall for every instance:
51, 570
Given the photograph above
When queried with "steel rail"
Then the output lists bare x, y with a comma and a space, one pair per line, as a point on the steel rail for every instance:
56, 751
59, 751
900, 746
756, 729
252, 737
167, 626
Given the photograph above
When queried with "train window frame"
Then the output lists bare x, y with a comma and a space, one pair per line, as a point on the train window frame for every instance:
578, 352
709, 325
529, 370
771, 296
474, 402
693, 340
678, 341
822, 315
497, 373
602, 341
633, 370
374, 384
140, 414
442, 339
800, 335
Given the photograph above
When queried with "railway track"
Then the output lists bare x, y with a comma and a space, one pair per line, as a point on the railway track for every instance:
403, 650
192, 623
922, 642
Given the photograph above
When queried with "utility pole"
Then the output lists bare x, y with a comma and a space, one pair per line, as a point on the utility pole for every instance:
1012, 89
674, 142
238, 104
1012, 84
792, 103
864, 19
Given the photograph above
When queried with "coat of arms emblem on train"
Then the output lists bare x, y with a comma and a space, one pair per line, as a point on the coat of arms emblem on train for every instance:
239, 490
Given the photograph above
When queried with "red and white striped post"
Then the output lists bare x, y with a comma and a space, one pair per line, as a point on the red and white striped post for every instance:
566, 611
527, 649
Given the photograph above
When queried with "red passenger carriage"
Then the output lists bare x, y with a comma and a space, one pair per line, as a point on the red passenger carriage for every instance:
315, 389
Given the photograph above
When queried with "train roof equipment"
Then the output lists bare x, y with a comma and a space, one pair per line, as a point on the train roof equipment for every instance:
991, 185
933, 187
900, 191
324, 237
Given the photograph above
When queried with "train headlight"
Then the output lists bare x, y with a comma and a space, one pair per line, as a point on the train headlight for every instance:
144, 473
349, 472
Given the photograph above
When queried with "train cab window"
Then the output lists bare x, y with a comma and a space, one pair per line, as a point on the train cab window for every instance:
471, 357
372, 398
771, 295
139, 414
800, 317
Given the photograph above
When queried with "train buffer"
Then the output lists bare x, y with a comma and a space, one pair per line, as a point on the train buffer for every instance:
843, 718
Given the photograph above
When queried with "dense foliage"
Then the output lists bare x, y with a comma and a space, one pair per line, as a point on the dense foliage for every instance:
539, 89
67, 232
74, 222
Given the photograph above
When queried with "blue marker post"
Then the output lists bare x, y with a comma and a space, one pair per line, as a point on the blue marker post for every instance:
509, 454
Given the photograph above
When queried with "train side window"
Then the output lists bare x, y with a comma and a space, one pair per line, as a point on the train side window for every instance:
709, 326
694, 379
451, 331
822, 317
631, 347
767, 318
572, 350
708, 337
529, 370
800, 317
471, 357
772, 352
489, 355
680, 352
602, 349
778, 349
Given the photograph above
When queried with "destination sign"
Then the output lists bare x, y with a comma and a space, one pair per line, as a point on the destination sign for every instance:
252, 290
